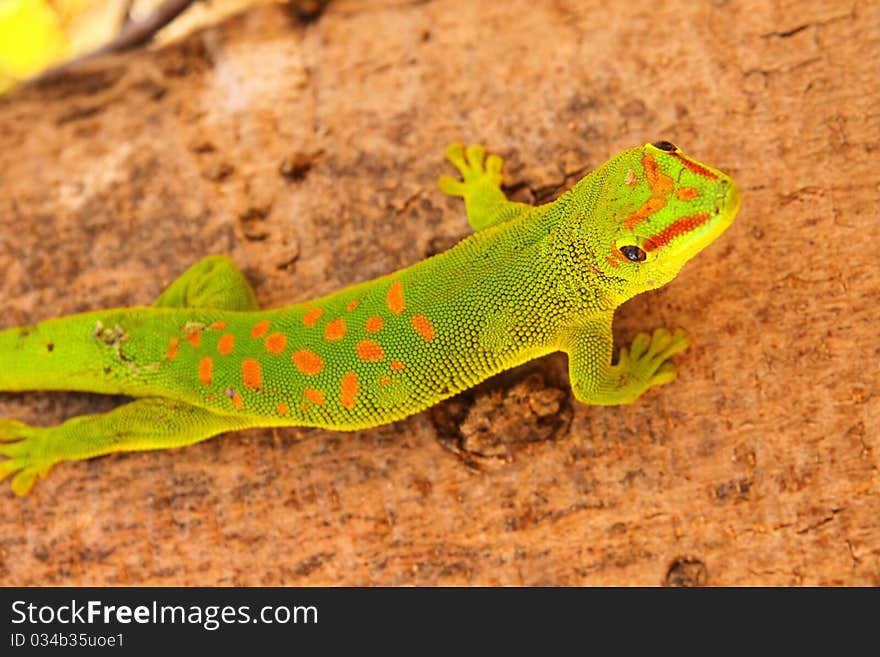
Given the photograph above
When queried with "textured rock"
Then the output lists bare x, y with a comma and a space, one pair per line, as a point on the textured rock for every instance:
308, 152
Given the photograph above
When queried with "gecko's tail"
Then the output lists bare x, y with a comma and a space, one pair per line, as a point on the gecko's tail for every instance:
69, 353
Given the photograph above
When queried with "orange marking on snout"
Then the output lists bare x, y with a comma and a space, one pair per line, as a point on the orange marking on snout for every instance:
698, 169
394, 299
687, 193
218, 326
282, 408
423, 327
260, 329
397, 365
307, 362
661, 186
206, 371
311, 318
348, 390
314, 396
352, 305
374, 324
335, 330
275, 343
194, 338
251, 373
225, 344
369, 350
675, 229
173, 348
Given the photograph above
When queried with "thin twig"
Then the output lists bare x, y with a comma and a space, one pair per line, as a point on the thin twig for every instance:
132, 35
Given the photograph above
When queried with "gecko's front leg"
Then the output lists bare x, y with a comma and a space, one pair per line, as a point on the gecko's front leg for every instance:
644, 365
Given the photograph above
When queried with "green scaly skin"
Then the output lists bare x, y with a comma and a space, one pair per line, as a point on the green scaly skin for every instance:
205, 359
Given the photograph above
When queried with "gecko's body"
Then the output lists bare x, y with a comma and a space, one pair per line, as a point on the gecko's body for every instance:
204, 359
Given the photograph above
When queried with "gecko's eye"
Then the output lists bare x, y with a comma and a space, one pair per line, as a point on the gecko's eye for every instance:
667, 146
633, 253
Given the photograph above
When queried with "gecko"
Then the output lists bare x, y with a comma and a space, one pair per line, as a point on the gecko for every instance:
204, 359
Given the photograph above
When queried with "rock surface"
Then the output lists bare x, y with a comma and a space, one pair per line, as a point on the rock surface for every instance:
308, 151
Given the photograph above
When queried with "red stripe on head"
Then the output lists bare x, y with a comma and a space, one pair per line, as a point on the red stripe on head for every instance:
676, 229
698, 169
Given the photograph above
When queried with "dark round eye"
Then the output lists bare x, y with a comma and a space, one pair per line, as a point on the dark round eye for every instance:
667, 146
633, 253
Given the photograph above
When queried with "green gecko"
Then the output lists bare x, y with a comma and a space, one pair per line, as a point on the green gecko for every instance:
204, 359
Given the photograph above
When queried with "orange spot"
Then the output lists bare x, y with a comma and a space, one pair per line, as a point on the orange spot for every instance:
304, 408
335, 330
374, 324
311, 318
423, 327
649, 207
282, 408
218, 326
251, 373
314, 396
237, 402
260, 329
349, 389
173, 348
676, 229
384, 381
369, 350
397, 365
687, 193
206, 370
194, 338
395, 299
307, 362
612, 261
225, 344
275, 343
352, 305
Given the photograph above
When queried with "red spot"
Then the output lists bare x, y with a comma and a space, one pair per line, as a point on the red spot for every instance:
218, 326
314, 396
612, 261
676, 229
194, 338
394, 299
687, 193
307, 362
225, 344
423, 327
206, 371
384, 381
352, 305
349, 389
374, 324
260, 329
275, 343
311, 317
237, 401
397, 365
369, 350
251, 374
335, 330
173, 348
282, 408
698, 169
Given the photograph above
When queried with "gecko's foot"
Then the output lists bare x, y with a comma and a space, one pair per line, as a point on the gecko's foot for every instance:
24, 447
477, 170
646, 362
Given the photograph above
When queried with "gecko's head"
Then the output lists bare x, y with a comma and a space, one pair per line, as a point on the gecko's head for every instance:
661, 208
